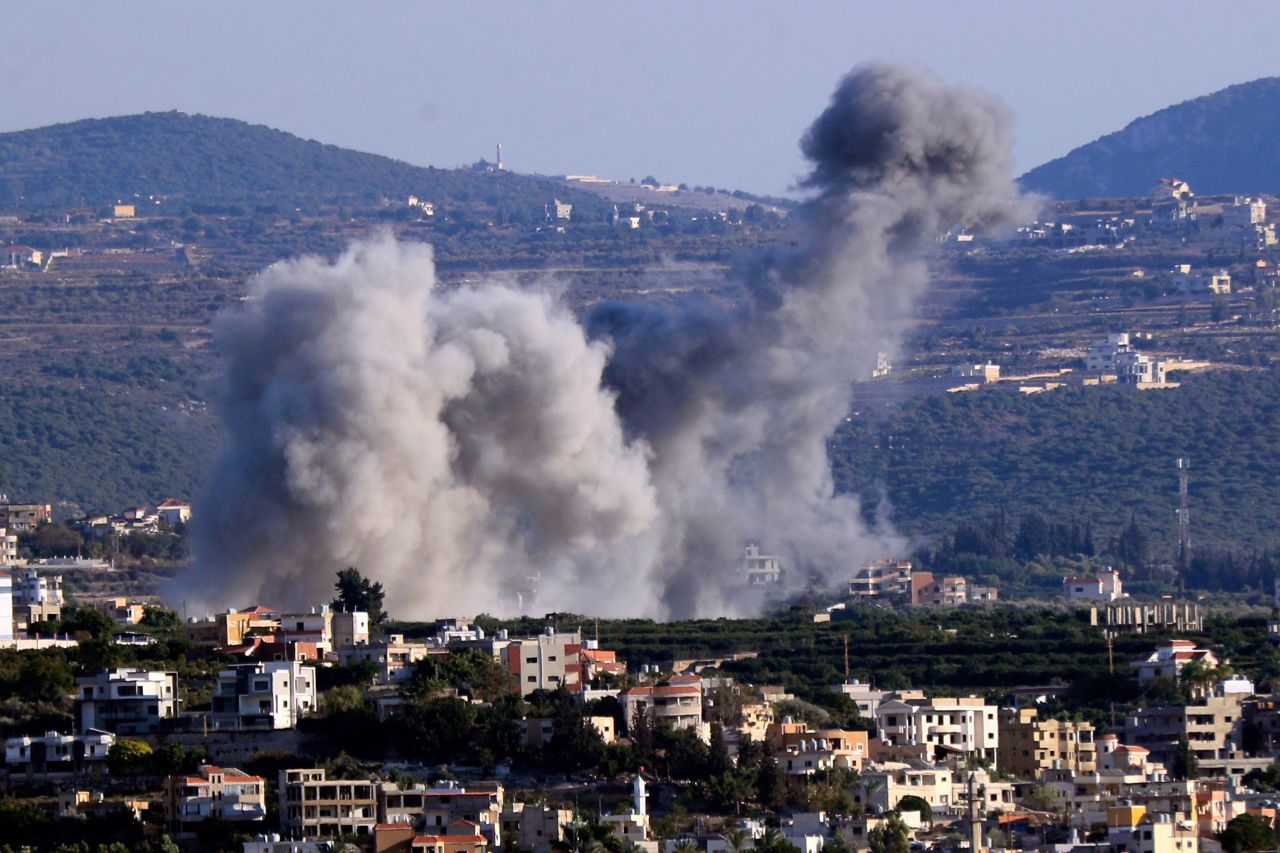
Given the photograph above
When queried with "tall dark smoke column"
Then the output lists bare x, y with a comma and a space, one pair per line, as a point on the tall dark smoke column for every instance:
454, 442
897, 159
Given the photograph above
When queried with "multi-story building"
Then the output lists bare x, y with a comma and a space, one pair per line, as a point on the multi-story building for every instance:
866, 697
945, 726
312, 806
436, 810
59, 753
36, 597
534, 827
8, 547
222, 792
1170, 658
271, 694
882, 578
1029, 745
19, 518
231, 628
929, 590
391, 654
548, 661
760, 569
174, 512
884, 788
6, 608
805, 752
1103, 586
350, 628
677, 703
1212, 727
127, 701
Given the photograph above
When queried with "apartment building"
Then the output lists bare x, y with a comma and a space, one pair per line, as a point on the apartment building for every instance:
267, 695
760, 569
6, 608
53, 752
19, 518
231, 628
534, 827
222, 792
805, 752
1212, 727
127, 701
8, 547
945, 726
312, 806
884, 788
677, 703
1104, 585
1029, 745
350, 628
1169, 659
548, 661
928, 590
881, 578
437, 809
393, 656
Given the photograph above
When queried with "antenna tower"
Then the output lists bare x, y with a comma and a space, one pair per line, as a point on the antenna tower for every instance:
1184, 514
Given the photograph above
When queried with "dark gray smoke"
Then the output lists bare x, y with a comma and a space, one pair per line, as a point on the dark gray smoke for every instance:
454, 443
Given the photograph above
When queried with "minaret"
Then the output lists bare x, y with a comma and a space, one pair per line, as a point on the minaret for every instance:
638, 795
975, 819
499, 167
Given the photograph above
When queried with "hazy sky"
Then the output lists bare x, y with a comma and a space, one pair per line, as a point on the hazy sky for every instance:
706, 93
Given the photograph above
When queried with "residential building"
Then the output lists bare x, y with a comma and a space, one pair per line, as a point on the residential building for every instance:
479, 804
20, 518
534, 827
882, 578
222, 792
678, 703
393, 656
312, 806
929, 590
1139, 370
1212, 727
945, 726
546, 662
127, 701
805, 753
988, 372
271, 695
124, 211
866, 697
123, 611
8, 548
20, 256
1104, 585
350, 628
174, 512
883, 788
59, 753
1029, 745
1170, 658
759, 569
6, 608
559, 211
1101, 357
459, 837
231, 628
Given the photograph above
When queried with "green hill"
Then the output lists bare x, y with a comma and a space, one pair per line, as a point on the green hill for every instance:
197, 158
1226, 142
1100, 455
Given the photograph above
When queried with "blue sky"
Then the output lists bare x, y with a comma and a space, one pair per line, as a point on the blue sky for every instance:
705, 93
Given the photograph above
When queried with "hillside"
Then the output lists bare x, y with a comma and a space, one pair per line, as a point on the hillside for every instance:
1226, 142
1085, 455
196, 158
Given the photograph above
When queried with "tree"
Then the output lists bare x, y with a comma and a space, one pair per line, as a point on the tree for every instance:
1185, 763
912, 803
129, 757
890, 837
1246, 834
718, 761
355, 592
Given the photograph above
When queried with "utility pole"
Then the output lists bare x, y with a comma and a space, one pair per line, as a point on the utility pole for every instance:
846, 657
1184, 516
1111, 659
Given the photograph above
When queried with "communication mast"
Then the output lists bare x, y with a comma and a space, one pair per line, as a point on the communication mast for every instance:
1184, 514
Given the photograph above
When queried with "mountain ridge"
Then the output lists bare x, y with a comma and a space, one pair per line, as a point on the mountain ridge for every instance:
1225, 142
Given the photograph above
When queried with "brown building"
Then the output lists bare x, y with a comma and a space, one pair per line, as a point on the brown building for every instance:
1029, 746
17, 518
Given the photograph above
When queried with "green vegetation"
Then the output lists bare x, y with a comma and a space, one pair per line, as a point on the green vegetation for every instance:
1097, 456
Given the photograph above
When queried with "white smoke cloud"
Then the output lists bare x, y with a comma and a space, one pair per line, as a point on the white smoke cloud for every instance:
453, 443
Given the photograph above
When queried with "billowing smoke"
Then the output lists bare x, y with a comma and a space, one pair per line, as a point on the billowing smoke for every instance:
462, 445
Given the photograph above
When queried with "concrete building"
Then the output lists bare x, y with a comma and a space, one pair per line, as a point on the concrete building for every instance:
928, 590
393, 656
1170, 658
882, 578
436, 810
231, 628
1212, 727
1104, 585
350, 628
6, 608
127, 701
1139, 370
884, 787
945, 726
548, 661
1029, 745
866, 697
534, 827
805, 752
312, 806
1101, 357
174, 512
678, 703
20, 518
988, 372
223, 792
8, 548
267, 695
53, 752
759, 569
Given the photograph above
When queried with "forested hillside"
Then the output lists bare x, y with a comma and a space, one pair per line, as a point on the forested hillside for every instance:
1098, 455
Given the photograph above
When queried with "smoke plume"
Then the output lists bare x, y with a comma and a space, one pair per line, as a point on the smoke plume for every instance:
462, 445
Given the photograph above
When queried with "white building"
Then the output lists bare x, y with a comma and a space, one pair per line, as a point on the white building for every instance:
679, 703
1169, 659
391, 654
223, 792
174, 512
31, 587
1103, 586
8, 548
272, 694
1101, 357
946, 725
1245, 212
350, 629
127, 701
6, 609
546, 662
988, 372
760, 569
59, 753
866, 697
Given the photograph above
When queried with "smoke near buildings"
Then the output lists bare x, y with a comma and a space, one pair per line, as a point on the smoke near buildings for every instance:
455, 443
